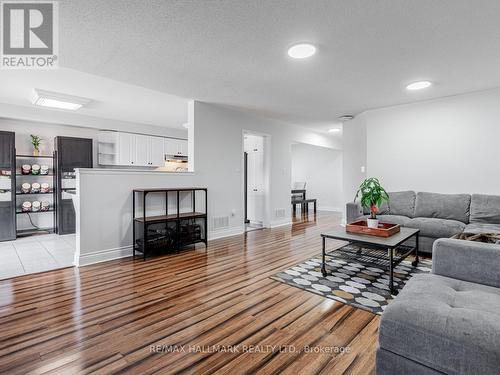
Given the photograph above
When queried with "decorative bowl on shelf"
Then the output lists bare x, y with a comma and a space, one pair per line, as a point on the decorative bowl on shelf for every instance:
44, 170
25, 188
26, 169
35, 169
35, 207
45, 188
35, 188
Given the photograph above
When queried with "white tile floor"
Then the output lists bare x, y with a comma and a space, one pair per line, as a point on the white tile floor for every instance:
36, 254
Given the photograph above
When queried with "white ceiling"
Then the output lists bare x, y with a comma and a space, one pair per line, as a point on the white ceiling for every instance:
234, 51
110, 99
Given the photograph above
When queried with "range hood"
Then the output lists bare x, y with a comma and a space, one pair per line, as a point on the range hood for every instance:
176, 158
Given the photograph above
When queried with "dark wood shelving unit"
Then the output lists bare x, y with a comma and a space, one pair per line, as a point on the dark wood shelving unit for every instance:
171, 231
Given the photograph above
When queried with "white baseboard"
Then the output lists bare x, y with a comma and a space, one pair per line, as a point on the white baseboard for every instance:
329, 208
126, 251
104, 255
275, 224
233, 231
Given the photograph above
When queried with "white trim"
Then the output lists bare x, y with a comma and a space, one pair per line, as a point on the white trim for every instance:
104, 255
106, 171
276, 224
329, 209
228, 232
126, 251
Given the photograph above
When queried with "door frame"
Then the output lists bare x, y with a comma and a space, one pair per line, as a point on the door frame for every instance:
266, 223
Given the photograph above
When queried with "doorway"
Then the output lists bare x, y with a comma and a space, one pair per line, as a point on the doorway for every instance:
254, 184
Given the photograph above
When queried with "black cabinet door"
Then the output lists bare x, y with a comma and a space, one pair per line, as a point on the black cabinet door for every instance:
74, 152
6, 149
66, 216
7, 221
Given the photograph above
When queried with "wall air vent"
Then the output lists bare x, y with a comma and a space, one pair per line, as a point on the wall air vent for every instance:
280, 212
220, 222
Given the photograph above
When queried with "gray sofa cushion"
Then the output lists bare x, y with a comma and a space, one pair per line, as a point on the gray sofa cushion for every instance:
436, 228
482, 228
400, 203
446, 324
485, 209
394, 219
443, 206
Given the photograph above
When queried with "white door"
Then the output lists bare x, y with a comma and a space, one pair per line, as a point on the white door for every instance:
126, 147
141, 150
255, 193
156, 154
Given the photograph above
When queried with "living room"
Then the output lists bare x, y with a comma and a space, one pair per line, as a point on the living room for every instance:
124, 237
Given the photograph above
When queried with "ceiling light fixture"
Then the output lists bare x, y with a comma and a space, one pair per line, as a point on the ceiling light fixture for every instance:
301, 50
334, 130
419, 85
346, 118
56, 100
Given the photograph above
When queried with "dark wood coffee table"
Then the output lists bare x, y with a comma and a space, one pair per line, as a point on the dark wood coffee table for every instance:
378, 251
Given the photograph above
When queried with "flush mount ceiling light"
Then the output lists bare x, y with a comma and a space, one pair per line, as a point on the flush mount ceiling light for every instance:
346, 118
334, 130
419, 85
57, 100
301, 50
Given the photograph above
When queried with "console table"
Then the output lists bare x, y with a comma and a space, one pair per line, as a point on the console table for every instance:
172, 230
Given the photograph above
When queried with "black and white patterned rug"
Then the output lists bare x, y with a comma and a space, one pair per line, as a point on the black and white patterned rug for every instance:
362, 285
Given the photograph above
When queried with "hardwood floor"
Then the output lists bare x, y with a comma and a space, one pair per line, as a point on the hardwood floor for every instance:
197, 312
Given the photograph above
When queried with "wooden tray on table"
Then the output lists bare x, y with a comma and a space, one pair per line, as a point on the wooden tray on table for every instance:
383, 230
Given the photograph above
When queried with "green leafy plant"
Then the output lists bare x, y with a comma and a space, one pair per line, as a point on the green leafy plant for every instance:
372, 195
35, 141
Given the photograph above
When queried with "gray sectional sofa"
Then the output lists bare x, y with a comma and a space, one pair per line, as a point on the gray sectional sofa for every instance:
437, 215
446, 322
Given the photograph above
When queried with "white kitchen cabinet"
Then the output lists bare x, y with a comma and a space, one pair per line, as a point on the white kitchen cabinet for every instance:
170, 146
156, 152
141, 150
183, 147
126, 148
177, 147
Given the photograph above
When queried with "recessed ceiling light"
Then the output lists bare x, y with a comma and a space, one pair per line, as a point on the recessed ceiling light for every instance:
56, 100
418, 85
334, 130
301, 50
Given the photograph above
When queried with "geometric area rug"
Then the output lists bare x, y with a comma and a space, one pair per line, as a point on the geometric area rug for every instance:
361, 285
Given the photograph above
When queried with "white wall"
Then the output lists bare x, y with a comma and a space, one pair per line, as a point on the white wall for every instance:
354, 157
106, 197
450, 145
321, 169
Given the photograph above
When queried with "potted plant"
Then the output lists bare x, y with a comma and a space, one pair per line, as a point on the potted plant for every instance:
35, 141
372, 196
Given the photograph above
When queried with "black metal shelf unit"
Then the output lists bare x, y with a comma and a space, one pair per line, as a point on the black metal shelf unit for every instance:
170, 231
43, 178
